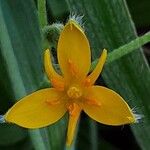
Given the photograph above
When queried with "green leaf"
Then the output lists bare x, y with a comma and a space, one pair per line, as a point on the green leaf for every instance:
109, 25
21, 145
11, 134
21, 49
52, 137
57, 10
87, 138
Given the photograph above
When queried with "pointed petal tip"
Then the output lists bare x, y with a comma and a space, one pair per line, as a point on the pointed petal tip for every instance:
131, 119
68, 144
97, 70
105, 49
135, 118
55, 78
32, 111
73, 37
47, 52
47, 49
120, 114
72, 23
104, 52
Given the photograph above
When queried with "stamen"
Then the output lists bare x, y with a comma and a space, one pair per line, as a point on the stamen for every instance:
90, 101
57, 84
87, 82
54, 102
74, 92
73, 68
72, 108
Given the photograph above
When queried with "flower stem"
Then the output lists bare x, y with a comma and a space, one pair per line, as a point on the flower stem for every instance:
42, 13
125, 49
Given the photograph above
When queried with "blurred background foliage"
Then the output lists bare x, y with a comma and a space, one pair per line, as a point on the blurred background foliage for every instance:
108, 24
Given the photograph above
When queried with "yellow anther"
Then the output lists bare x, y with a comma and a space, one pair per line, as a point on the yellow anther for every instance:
74, 92
54, 102
72, 68
90, 101
57, 84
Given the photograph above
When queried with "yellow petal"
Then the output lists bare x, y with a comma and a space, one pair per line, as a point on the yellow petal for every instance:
35, 110
57, 80
74, 114
96, 72
74, 55
110, 108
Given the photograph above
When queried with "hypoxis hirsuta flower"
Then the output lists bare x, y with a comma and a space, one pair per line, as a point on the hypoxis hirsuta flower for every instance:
73, 91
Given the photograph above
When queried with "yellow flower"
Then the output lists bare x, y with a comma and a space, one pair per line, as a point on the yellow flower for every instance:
73, 91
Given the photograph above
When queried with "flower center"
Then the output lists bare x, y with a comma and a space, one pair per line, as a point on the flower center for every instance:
74, 92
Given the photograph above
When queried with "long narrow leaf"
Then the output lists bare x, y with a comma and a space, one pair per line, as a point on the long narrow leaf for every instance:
109, 26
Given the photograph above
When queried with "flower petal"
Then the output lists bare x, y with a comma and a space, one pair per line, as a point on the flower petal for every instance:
35, 110
57, 80
74, 55
96, 72
73, 119
110, 108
